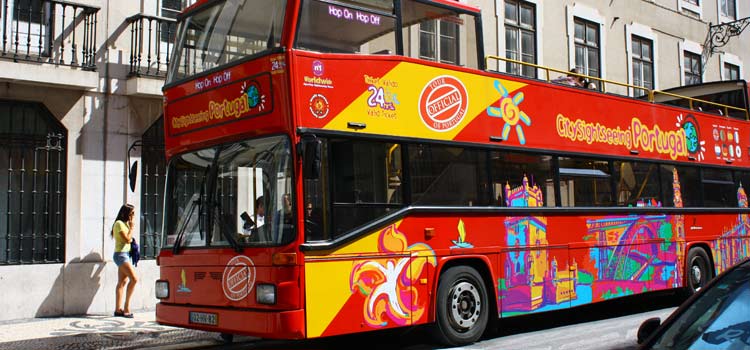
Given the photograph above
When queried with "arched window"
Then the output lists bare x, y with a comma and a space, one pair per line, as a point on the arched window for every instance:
152, 189
32, 184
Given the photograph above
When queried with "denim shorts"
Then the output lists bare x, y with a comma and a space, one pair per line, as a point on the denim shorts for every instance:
121, 258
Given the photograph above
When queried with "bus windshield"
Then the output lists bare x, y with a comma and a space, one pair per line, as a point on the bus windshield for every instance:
231, 195
225, 32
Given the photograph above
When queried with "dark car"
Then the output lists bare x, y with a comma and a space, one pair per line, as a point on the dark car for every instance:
717, 317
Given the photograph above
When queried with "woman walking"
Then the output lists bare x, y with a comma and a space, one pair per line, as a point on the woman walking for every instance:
122, 232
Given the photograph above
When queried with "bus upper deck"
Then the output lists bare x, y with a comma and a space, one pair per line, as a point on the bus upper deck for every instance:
369, 66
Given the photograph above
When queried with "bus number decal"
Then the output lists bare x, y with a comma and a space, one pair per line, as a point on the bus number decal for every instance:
239, 278
377, 98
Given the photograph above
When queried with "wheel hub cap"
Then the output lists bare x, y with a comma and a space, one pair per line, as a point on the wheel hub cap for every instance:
465, 305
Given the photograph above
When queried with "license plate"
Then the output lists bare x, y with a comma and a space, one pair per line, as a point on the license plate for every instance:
204, 318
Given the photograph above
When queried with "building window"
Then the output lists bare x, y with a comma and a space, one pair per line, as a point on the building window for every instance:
692, 68
587, 48
690, 7
153, 175
171, 8
728, 8
520, 36
32, 185
643, 63
438, 41
731, 71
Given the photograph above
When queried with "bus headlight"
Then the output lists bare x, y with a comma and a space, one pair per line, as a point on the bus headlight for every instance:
265, 294
162, 289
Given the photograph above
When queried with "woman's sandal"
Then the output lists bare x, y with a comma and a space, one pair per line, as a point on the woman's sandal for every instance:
119, 313
127, 314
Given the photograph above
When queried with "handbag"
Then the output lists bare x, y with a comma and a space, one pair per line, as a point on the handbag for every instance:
135, 252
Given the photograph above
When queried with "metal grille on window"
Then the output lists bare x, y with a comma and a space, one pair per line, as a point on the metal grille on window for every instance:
32, 185
152, 189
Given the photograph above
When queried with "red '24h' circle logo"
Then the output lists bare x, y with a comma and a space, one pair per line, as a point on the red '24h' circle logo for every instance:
443, 103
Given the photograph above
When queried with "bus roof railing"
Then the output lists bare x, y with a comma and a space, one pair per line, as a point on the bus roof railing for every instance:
650, 93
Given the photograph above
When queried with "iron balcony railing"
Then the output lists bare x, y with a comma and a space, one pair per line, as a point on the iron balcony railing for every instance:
51, 31
151, 42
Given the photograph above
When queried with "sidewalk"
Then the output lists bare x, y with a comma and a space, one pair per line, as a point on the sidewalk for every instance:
100, 332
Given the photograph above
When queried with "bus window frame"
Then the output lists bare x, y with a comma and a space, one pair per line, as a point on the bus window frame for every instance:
283, 40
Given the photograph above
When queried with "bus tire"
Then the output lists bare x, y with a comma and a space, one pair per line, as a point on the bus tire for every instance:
698, 270
227, 338
462, 308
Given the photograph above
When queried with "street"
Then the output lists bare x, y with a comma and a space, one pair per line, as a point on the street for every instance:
606, 326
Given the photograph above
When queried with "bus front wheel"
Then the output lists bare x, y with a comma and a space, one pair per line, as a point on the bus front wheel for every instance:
698, 270
462, 309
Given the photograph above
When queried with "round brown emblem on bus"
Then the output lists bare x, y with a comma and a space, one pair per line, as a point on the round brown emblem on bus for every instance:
443, 103
239, 278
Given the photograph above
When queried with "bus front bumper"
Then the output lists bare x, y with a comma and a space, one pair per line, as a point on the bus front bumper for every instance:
263, 324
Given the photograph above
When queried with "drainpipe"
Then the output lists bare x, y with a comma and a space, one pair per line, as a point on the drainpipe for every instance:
105, 123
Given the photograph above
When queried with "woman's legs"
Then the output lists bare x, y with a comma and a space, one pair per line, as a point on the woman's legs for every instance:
121, 279
129, 272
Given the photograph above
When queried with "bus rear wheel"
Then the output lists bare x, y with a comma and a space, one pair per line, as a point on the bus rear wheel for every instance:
698, 270
461, 307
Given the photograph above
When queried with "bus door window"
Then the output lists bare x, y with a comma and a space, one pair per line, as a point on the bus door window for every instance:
317, 199
439, 34
522, 180
362, 182
450, 176
686, 180
585, 182
718, 188
347, 26
637, 184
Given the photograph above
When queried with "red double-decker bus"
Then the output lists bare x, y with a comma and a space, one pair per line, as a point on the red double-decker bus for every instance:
347, 166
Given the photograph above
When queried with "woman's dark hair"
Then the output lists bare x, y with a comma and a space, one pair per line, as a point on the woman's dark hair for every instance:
123, 215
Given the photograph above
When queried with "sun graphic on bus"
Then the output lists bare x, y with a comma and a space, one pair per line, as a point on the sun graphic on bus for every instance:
510, 113
695, 146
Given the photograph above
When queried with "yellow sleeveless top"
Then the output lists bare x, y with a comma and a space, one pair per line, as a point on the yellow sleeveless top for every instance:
120, 245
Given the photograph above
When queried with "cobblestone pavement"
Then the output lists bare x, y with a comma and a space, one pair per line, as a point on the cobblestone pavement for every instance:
100, 332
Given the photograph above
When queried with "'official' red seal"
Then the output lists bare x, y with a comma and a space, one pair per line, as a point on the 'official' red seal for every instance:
443, 103
239, 278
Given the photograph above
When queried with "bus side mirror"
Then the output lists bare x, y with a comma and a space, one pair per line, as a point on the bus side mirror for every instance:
133, 175
311, 157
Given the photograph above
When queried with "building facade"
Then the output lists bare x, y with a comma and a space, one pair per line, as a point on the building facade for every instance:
657, 44
80, 103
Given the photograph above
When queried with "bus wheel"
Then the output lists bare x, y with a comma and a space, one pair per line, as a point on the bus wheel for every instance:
698, 270
227, 337
461, 307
